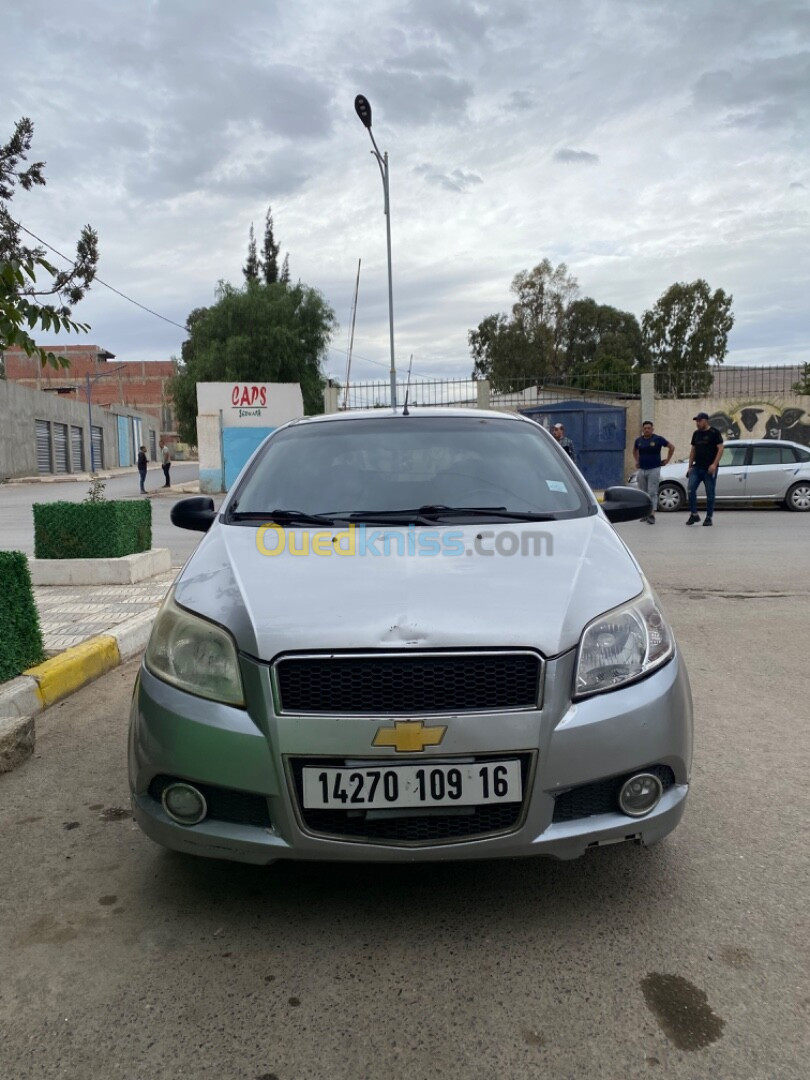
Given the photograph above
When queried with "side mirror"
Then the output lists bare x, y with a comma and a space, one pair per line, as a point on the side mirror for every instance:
626, 504
197, 513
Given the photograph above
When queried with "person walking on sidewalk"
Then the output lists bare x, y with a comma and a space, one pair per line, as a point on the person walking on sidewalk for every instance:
142, 461
705, 453
558, 431
167, 462
647, 456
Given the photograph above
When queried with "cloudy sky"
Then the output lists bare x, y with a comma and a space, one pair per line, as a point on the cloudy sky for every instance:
640, 142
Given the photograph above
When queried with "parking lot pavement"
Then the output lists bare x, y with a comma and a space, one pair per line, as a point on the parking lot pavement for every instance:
685, 961
17, 522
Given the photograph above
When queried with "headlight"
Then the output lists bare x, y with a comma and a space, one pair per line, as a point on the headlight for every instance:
622, 645
194, 655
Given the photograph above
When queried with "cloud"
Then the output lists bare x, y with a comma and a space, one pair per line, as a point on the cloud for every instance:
458, 180
520, 101
413, 98
766, 93
576, 157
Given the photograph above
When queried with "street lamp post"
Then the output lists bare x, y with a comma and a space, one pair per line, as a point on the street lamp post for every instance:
363, 110
88, 384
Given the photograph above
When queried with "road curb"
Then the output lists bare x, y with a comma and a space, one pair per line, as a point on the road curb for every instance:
23, 698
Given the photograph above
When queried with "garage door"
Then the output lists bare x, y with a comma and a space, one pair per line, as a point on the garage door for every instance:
97, 435
60, 448
77, 449
43, 446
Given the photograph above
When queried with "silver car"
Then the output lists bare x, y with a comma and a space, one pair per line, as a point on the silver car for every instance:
749, 471
410, 637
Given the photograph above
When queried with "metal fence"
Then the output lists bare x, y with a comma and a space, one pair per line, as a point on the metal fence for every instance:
377, 395
718, 382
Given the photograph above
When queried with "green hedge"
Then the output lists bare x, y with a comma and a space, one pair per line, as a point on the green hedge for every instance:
101, 530
20, 635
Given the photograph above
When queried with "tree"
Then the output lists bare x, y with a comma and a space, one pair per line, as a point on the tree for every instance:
600, 340
19, 310
685, 332
270, 251
284, 277
529, 345
252, 266
256, 333
803, 385
19, 314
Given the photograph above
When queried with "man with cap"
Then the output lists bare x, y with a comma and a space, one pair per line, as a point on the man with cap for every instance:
704, 455
647, 456
558, 431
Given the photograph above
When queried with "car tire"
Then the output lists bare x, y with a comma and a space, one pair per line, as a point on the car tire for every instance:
671, 497
798, 498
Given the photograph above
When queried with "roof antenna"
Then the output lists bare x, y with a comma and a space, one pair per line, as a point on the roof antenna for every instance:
407, 387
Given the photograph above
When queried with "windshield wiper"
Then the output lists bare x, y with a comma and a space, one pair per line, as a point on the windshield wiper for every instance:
433, 511
281, 517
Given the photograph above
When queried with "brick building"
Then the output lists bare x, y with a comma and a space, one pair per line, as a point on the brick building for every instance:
136, 384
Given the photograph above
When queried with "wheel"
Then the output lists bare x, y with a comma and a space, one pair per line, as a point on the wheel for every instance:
798, 498
671, 496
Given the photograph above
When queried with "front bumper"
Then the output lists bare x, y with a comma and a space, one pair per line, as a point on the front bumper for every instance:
564, 744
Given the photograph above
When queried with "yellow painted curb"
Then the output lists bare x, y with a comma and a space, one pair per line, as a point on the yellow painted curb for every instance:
74, 668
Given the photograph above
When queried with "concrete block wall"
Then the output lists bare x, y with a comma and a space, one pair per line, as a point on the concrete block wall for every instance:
752, 417
21, 407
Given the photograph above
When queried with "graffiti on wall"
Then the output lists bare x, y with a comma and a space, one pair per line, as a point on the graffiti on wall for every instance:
762, 420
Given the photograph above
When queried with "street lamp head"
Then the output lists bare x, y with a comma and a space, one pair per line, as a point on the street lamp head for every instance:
363, 110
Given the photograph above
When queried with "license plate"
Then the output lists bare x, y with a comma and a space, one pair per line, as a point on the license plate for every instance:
376, 787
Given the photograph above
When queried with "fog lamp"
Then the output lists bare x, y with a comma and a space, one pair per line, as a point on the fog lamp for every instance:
640, 794
184, 804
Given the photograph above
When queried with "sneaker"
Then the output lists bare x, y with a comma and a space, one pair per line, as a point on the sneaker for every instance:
708, 521
693, 519
651, 519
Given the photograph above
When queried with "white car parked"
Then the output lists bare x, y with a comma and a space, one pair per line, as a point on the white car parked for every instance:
750, 470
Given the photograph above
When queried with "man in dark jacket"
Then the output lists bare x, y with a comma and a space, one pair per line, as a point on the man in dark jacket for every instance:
142, 468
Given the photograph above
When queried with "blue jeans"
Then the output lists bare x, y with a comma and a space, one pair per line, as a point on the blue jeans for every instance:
696, 478
143, 479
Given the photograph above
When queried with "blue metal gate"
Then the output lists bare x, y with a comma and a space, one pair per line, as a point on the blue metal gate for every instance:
598, 433
124, 441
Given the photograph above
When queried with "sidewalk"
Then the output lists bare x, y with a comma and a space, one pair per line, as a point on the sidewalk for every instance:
87, 630
70, 614
82, 477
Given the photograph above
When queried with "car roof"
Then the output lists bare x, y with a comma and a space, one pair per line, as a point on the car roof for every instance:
765, 442
417, 411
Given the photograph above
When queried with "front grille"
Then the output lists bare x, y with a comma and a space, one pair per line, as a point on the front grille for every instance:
414, 826
380, 684
601, 797
224, 804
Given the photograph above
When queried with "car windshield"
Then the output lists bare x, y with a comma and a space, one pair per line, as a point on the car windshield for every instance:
417, 466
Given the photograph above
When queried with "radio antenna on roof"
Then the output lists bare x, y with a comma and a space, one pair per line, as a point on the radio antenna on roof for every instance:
407, 387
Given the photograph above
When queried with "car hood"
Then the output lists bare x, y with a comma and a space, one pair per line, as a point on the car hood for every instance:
286, 602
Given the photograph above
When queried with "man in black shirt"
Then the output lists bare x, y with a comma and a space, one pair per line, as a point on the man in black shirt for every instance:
707, 448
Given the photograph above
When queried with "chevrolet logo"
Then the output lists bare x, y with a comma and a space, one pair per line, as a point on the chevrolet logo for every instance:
409, 736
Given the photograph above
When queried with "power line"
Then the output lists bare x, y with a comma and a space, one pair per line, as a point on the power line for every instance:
143, 307
117, 292
379, 363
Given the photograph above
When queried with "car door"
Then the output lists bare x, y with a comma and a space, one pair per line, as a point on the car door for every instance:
769, 471
731, 472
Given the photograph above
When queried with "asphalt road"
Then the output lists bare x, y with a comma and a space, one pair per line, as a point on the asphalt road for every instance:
16, 500
688, 960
